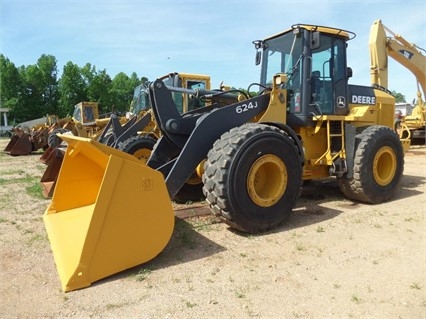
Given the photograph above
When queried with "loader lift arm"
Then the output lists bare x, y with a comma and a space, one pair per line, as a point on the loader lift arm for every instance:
187, 138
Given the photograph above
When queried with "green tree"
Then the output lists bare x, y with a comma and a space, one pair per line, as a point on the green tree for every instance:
40, 88
10, 87
48, 83
99, 91
399, 98
122, 91
72, 88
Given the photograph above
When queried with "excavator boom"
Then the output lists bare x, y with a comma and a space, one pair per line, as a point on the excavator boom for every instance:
383, 43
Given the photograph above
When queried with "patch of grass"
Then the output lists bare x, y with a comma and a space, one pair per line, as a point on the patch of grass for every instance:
187, 240
36, 238
184, 233
204, 224
116, 305
240, 294
143, 274
415, 285
13, 172
34, 189
295, 235
215, 271
300, 247
3, 220
190, 304
356, 299
320, 229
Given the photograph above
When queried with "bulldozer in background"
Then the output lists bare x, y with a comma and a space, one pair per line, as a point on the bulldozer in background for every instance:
252, 155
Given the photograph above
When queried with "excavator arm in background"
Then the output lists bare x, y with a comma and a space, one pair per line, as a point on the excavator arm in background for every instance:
407, 54
383, 43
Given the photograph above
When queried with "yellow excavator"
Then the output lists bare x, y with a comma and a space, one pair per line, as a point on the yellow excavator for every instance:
383, 43
111, 212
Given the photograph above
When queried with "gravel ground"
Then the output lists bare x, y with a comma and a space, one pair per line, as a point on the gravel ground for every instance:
334, 259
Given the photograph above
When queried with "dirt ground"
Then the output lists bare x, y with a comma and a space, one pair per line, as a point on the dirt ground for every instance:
334, 259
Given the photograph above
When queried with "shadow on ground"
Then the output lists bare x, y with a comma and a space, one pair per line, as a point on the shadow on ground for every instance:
188, 244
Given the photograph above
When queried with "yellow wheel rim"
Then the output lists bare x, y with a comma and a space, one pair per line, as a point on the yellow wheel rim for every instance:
384, 166
142, 154
267, 180
194, 179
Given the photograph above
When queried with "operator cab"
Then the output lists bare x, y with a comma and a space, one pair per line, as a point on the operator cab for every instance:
140, 100
314, 59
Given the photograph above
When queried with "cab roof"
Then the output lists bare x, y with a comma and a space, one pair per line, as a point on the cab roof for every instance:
323, 29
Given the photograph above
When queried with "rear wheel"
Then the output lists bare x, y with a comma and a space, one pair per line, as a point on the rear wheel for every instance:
378, 166
253, 177
140, 146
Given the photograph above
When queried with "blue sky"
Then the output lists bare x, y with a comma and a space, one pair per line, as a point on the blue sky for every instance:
153, 38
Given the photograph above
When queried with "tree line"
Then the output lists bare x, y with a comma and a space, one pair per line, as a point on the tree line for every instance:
33, 91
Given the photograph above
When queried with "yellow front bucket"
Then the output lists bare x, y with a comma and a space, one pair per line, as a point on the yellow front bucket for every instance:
109, 212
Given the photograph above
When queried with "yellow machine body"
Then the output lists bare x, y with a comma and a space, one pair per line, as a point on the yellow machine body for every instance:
95, 222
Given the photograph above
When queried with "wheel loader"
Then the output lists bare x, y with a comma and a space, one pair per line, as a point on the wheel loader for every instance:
252, 155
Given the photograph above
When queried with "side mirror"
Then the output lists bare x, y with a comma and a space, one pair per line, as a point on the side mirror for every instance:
258, 57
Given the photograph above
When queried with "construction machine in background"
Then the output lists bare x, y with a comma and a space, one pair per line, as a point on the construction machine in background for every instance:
85, 122
140, 144
252, 155
136, 133
30, 136
383, 43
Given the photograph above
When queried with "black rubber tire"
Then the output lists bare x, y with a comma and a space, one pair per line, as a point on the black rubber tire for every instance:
373, 183
190, 193
139, 146
53, 139
227, 170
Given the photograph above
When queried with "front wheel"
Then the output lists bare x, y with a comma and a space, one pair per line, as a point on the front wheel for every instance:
378, 166
53, 140
253, 176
